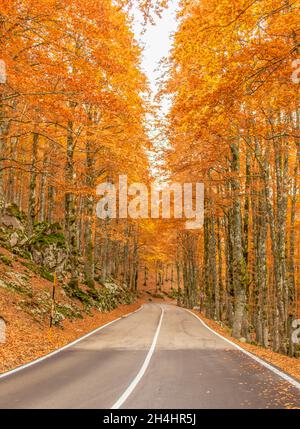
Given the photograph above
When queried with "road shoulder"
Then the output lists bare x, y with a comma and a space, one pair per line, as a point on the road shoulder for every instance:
32, 344
290, 366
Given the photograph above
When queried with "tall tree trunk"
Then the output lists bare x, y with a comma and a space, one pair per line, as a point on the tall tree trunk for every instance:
239, 278
43, 181
32, 184
70, 209
89, 267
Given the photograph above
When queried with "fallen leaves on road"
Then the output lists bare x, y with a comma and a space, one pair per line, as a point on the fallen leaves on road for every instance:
287, 364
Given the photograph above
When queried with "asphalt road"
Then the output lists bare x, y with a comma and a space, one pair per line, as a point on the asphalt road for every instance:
160, 357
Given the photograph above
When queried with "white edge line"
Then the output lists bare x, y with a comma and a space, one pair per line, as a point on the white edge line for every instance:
143, 369
27, 365
281, 374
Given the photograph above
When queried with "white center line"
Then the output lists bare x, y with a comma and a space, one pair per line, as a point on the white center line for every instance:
143, 369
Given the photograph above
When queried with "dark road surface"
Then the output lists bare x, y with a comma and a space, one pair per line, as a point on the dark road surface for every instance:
160, 357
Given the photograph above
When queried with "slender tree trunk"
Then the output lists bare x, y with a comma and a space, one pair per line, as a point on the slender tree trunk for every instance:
43, 203
70, 210
239, 278
32, 184
89, 218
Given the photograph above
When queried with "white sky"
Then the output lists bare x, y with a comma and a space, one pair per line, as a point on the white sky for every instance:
157, 41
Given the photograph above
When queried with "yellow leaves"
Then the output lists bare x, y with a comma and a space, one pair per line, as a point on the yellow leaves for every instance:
74, 70
148, 8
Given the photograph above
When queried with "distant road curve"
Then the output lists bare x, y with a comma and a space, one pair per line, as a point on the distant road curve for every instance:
160, 357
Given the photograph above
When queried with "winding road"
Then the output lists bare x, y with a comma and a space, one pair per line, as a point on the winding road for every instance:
161, 357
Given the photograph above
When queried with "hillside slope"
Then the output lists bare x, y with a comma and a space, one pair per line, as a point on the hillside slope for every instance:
27, 266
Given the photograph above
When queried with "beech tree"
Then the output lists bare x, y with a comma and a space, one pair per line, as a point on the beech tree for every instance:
72, 115
234, 124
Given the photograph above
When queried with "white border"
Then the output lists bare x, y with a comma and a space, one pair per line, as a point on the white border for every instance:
27, 365
272, 368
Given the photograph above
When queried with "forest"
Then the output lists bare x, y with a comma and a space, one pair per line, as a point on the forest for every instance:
75, 105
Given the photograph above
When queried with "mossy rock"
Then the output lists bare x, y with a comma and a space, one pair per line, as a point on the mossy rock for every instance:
76, 292
6, 260
41, 271
46, 275
23, 253
45, 240
46, 234
67, 312
14, 210
30, 266
90, 284
19, 289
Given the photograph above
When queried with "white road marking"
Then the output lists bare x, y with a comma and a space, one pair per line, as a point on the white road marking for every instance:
143, 369
276, 371
34, 362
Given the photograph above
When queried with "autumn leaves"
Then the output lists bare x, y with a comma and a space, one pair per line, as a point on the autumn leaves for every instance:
73, 115
234, 124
